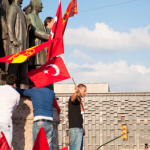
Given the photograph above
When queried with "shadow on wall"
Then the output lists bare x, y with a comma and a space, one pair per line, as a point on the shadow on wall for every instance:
19, 122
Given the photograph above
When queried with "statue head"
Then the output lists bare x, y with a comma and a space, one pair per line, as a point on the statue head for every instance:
36, 5
27, 9
19, 2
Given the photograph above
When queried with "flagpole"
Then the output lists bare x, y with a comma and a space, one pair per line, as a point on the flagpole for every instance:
73, 81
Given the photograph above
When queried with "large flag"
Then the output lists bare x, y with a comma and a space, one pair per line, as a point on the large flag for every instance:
24, 55
70, 12
3, 143
41, 141
56, 48
53, 71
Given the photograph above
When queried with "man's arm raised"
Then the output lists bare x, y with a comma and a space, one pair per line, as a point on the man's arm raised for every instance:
74, 96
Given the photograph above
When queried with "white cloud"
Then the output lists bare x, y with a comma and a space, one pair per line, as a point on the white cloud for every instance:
104, 37
120, 76
79, 54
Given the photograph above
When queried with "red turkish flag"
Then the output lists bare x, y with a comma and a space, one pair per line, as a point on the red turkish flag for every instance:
3, 143
41, 141
56, 48
53, 71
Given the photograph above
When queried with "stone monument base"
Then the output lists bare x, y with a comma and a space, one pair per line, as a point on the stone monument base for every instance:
22, 126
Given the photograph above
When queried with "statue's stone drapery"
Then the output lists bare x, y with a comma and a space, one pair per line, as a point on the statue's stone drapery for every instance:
4, 41
17, 29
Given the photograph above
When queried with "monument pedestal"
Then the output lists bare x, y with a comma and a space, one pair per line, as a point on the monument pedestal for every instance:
56, 122
22, 126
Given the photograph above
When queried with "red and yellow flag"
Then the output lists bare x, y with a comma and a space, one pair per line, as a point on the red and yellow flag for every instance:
24, 55
70, 12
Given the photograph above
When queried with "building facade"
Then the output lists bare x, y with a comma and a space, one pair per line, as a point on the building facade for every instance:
104, 113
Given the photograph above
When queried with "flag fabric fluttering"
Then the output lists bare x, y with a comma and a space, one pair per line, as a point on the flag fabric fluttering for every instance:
3, 142
56, 48
70, 12
24, 55
53, 71
40, 142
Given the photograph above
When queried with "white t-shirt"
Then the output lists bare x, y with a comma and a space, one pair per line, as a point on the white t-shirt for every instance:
9, 99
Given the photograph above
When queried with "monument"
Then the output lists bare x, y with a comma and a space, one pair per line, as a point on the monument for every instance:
38, 33
14, 37
17, 23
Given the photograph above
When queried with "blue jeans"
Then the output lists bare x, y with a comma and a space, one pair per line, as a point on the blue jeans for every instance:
48, 127
7, 129
76, 138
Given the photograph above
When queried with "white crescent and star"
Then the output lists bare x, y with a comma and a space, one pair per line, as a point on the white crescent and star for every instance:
45, 71
55, 67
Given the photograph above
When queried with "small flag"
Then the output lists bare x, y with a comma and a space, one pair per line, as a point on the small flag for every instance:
55, 105
41, 141
56, 48
3, 143
70, 12
53, 71
24, 55
65, 148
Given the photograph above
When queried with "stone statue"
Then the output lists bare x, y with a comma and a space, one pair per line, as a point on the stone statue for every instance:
27, 9
38, 33
17, 23
4, 41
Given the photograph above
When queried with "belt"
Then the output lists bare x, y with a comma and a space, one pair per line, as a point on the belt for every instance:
43, 120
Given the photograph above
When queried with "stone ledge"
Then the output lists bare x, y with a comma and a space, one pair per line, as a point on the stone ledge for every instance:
91, 88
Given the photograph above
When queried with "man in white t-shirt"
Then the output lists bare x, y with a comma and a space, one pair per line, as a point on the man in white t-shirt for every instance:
9, 99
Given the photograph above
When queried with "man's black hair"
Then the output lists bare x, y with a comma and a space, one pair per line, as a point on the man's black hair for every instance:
11, 79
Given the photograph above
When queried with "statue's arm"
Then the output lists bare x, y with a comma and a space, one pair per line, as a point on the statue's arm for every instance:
41, 34
38, 33
11, 20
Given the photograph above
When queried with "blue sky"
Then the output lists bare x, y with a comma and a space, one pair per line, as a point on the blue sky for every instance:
109, 44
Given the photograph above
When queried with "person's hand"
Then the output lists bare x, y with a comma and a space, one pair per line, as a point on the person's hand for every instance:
17, 43
76, 89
